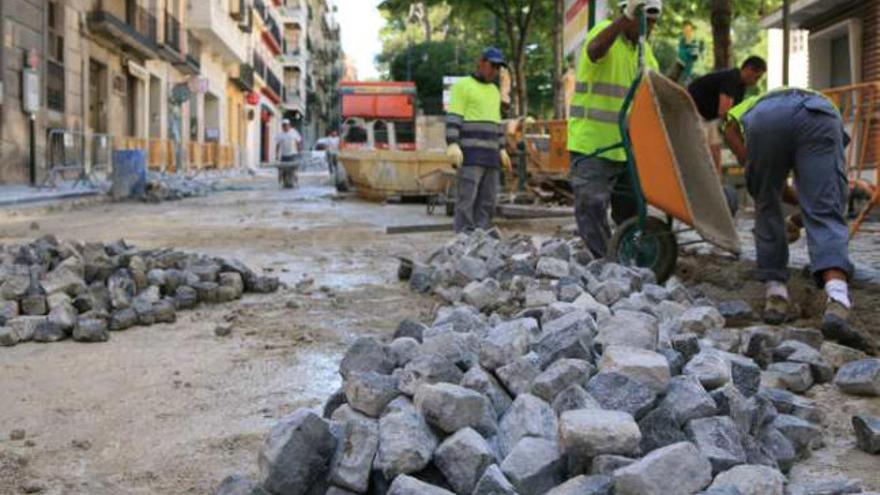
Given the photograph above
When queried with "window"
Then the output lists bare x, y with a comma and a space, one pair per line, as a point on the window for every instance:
55, 57
835, 55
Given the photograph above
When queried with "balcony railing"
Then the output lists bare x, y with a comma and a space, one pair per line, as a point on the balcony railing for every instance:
138, 29
274, 30
274, 83
259, 66
172, 32
260, 7
245, 78
143, 22
193, 50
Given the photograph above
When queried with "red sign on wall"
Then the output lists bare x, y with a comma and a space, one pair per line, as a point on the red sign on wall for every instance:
253, 98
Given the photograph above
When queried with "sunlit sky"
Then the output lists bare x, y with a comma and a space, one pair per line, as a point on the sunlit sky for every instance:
359, 22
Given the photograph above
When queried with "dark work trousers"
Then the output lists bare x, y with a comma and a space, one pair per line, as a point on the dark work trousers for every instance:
800, 132
598, 183
475, 198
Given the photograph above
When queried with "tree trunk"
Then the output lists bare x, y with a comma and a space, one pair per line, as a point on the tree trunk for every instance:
522, 94
558, 60
722, 15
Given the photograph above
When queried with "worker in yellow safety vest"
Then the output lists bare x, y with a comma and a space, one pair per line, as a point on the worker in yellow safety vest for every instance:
606, 69
475, 142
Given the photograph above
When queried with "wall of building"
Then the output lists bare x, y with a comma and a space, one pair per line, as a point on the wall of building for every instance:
128, 97
23, 30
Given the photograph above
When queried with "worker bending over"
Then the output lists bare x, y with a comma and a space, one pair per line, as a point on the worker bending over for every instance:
475, 142
800, 131
605, 72
716, 93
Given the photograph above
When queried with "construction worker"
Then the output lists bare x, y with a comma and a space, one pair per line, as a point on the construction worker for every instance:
718, 92
288, 143
606, 69
800, 131
475, 142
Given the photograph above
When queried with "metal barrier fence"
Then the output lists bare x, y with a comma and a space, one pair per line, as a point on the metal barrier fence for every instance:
89, 154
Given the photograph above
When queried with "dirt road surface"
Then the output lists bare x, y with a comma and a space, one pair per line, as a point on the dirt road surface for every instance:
172, 409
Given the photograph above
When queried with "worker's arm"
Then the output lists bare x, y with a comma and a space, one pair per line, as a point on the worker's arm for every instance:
599, 46
725, 103
734, 138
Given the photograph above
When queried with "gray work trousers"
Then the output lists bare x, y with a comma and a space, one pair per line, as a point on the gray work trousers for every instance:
598, 183
800, 132
475, 198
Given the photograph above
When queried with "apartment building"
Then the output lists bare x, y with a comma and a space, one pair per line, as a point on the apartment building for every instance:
93, 76
313, 66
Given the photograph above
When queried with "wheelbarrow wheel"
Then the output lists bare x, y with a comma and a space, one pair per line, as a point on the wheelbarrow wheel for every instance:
655, 247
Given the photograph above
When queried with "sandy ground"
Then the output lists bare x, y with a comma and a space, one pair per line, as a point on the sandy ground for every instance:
172, 409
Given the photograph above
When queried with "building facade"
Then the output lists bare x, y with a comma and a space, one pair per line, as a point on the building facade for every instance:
313, 66
211, 75
833, 44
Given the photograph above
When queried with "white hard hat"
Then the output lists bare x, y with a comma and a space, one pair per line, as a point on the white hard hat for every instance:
653, 8
285, 122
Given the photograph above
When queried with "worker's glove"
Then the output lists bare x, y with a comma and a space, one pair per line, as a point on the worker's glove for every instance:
505, 159
453, 151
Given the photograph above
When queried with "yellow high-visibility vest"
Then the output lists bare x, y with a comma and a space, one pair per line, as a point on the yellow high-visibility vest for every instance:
473, 120
600, 89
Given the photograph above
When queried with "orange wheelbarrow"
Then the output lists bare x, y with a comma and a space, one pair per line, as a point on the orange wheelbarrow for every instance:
669, 160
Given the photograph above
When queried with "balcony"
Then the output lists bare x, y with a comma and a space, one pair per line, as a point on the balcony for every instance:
294, 15
273, 89
292, 58
259, 66
213, 26
245, 78
260, 7
171, 49
192, 63
292, 98
130, 27
272, 35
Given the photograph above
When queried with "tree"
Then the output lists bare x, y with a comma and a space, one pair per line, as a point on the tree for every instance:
722, 14
515, 18
558, 59
427, 63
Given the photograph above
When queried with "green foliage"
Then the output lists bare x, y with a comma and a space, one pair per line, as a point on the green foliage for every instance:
460, 29
427, 63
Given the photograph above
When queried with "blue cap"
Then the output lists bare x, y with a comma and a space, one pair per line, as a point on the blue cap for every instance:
494, 56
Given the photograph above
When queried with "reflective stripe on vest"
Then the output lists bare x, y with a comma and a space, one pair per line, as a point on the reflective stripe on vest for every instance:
602, 89
479, 143
604, 116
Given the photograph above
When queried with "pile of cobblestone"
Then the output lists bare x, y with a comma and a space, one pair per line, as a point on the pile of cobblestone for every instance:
595, 380
172, 187
51, 290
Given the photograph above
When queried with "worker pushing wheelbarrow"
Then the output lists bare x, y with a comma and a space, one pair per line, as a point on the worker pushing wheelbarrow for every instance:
636, 141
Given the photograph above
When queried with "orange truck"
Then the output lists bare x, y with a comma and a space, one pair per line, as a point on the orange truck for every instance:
378, 115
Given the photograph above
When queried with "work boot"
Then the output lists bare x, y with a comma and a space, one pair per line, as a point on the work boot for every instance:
775, 310
836, 327
834, 322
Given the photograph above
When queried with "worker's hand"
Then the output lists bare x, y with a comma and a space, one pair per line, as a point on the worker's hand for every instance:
632, 7
505, 159
453, 151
